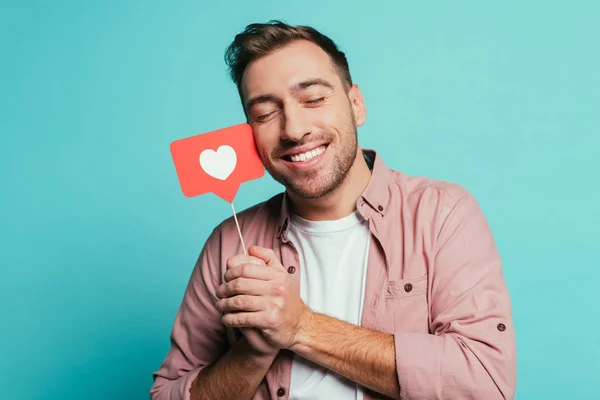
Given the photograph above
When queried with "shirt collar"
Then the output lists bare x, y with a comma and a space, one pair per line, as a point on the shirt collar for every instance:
377, 194
373, 200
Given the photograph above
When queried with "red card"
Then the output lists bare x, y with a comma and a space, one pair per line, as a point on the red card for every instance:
218, 161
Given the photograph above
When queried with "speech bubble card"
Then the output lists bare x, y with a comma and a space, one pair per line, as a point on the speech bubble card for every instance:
217, 162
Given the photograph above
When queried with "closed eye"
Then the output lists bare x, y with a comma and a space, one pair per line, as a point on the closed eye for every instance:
263, 117
315, 101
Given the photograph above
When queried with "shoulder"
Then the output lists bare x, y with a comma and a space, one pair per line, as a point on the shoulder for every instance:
417, 188
428, 199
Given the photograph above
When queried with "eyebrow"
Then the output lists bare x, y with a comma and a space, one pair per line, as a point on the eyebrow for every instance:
311, 82
295, 88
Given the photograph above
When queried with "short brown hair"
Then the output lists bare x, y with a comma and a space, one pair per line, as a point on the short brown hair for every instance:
259, 40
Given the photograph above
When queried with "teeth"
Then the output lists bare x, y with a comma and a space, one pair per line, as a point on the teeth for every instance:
308, 155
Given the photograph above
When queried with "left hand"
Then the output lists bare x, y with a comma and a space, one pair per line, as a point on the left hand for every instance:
264, 297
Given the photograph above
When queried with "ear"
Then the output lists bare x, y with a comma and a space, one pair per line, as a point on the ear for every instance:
357, 102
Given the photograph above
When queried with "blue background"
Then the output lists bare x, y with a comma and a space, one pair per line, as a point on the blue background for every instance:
98, 242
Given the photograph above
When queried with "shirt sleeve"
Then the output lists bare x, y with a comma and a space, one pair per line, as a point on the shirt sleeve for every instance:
198, 336
470, 353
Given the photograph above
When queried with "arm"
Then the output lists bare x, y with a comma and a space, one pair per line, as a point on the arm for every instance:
267, 298
471, 353
360, 354
234, 376
199, 352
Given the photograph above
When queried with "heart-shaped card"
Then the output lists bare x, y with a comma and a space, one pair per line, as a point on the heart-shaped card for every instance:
218, 161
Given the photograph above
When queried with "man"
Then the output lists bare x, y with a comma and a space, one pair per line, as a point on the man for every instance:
362, 282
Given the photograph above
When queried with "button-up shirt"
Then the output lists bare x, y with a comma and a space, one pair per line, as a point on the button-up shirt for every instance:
434, 281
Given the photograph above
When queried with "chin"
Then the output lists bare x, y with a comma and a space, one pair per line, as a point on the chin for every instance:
313, 183
310, 191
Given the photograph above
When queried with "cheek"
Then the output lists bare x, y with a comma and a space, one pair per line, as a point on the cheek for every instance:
327, 117
265, 142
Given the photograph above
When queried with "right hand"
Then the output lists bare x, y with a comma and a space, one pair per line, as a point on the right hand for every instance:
254, 336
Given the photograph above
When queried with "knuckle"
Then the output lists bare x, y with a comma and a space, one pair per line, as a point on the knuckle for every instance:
229, 275
279, 303
272, 319
230, 262
282, 290
278, 289
239, 301
246, 300
257, 261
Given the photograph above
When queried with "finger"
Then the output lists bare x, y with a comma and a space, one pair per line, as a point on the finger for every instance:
237, 286
267, 255
257, 319
252, 271
240, 259
241, 303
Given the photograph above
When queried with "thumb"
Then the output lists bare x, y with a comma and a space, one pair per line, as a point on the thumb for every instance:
267, 255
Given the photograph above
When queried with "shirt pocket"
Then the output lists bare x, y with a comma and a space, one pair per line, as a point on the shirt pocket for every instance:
406, 299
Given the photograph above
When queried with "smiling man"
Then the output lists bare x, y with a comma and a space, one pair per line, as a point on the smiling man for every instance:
362, 282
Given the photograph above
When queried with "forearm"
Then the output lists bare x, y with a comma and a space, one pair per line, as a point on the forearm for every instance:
362, 355
236, 375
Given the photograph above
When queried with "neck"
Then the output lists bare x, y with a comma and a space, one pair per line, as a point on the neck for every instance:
340, 202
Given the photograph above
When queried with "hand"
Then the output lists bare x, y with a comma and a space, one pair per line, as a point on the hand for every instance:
253, 335
263, 297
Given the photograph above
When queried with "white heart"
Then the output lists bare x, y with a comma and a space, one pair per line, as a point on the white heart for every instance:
218, 164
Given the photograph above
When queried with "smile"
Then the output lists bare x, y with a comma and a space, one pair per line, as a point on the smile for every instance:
307, 156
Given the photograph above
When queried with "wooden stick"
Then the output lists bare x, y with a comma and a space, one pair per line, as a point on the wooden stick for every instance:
238, 228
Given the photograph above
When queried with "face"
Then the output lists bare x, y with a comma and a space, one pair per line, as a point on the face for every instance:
303, 117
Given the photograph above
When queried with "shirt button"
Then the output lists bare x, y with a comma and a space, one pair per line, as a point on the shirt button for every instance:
408, 287
291, 269
380, 208
501, 327
281, 392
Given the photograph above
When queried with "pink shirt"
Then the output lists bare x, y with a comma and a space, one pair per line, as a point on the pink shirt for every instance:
434, 281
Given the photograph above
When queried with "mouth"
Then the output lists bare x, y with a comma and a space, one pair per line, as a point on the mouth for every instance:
305, 156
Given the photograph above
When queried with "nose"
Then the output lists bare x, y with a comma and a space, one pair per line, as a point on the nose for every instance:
296, 123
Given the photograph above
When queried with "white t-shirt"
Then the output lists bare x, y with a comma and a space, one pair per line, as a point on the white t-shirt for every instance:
333, 263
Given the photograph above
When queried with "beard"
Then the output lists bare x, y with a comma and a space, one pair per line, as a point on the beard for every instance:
306, 184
